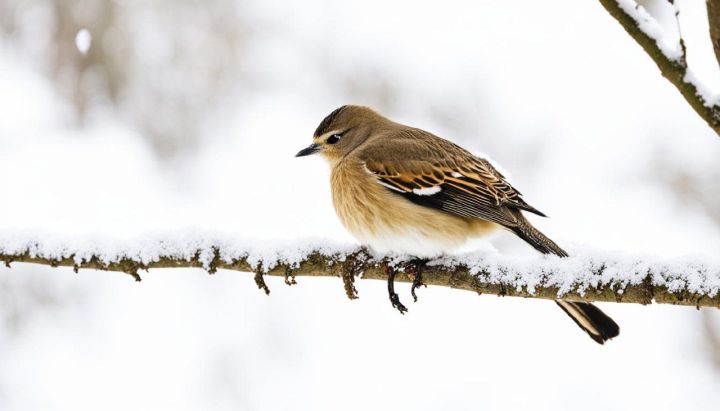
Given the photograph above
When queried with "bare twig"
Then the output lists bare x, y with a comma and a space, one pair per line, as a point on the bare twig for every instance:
674, 71
683, 48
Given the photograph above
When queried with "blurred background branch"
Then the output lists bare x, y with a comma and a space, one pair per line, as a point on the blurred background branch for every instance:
159, 66
713, 11
675, 71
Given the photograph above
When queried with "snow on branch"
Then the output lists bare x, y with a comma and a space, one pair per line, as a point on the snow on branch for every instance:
669, 57
585, 276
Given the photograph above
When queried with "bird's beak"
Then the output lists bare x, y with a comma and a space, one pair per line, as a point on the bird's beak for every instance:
311, 149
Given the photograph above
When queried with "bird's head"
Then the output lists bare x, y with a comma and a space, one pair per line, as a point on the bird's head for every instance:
342, 131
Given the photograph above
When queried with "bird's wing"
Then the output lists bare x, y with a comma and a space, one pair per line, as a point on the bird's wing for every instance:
435, 173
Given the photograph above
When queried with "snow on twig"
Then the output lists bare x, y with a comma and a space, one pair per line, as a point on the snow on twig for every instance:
667, 55
672, 50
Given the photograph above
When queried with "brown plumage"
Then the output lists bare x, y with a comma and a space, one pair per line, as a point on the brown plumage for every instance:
401, 189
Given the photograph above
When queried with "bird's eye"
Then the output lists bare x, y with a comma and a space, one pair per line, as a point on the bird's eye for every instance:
333, 139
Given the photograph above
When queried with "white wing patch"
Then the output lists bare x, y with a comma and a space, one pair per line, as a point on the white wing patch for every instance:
390, 187
427, 191
456, 174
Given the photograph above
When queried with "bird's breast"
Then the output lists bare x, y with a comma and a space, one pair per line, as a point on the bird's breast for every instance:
389, 223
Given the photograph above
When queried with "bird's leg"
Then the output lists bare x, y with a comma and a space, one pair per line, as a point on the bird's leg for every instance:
414, 268
394, 299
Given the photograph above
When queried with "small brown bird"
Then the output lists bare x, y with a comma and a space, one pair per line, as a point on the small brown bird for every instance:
404, 190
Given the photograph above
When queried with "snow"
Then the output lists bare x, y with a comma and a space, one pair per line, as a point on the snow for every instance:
83, 40
585, 269
669, 47
709, 96
178, 245
668, 40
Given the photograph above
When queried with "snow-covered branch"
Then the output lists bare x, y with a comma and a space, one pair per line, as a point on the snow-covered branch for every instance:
585, 276
670, 58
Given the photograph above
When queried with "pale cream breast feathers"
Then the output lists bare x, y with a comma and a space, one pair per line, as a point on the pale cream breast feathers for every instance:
388, 222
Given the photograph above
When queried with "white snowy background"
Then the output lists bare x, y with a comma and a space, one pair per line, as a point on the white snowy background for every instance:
200, 136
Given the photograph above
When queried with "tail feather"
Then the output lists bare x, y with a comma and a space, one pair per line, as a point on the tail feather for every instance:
591, 319
535, 238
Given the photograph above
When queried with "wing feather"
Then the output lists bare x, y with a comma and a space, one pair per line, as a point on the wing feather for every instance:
442, 175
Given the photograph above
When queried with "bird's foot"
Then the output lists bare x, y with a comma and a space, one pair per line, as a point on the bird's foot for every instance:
394, 299
414, 268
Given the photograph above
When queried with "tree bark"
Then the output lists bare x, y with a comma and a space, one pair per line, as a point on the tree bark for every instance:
649, 284
713, 11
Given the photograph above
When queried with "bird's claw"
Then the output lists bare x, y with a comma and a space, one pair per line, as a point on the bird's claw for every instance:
417, 282
415, 268
395, 301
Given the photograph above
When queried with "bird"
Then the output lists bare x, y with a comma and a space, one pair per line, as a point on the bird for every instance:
401, 189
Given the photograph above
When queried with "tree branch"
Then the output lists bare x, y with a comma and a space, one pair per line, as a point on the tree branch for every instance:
576, 278
676, 71
713, 11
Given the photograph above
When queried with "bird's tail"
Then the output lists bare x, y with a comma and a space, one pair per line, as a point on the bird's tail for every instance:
535, 238
591, 319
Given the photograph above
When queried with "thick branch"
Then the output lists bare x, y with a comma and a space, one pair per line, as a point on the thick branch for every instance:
675, 71
576, 278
